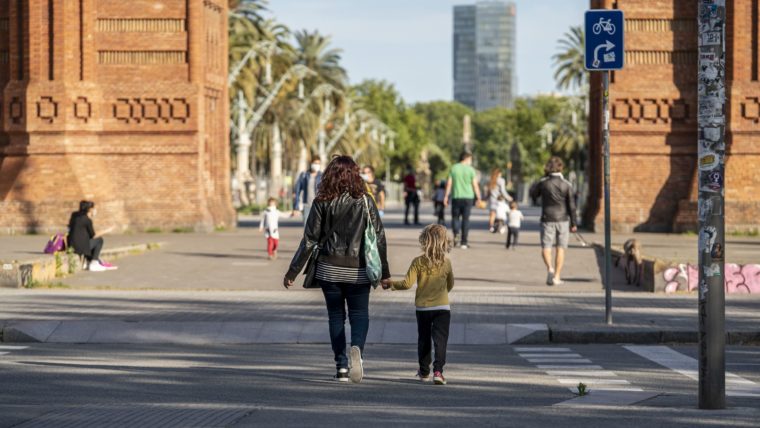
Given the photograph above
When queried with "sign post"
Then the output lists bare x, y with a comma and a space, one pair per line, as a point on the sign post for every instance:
605, 51
711, 176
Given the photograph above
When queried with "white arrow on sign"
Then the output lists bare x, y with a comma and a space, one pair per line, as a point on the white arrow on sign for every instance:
608, 45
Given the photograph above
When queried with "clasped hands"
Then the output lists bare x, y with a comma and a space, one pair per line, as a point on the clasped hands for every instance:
386, 283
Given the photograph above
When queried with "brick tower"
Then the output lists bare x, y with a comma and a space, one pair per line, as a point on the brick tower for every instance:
653, 124
121, 102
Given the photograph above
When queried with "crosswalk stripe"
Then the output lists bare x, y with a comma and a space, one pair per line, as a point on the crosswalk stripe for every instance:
542, 349
4, 353
589, 373
563, 367
610, 388
12, 348
688, 366
559, 360
594, 381
550, 356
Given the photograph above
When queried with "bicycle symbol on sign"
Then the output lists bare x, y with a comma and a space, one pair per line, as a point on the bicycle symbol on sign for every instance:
605, 25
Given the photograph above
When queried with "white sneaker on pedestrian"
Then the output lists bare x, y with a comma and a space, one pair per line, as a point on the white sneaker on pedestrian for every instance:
503, 230
95, 266
557, 281
550, 278
356, 364
464, 246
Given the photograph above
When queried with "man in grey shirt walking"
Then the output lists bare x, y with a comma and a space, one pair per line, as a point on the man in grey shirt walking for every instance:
558, 217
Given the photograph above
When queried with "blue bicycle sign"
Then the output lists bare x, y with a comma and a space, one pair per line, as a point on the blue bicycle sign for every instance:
604, 40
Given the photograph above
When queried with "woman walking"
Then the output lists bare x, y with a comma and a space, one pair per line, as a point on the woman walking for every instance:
335, 229
496, 187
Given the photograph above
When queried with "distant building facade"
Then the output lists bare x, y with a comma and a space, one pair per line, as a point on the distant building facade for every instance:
484, 54
653, 124
121, 102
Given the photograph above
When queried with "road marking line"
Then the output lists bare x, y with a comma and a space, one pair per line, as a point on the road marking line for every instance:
589, 373
611, 388
542, 349
550, 356
13, 348
560, 367
688, 367
594, 381
4, 353
558, 360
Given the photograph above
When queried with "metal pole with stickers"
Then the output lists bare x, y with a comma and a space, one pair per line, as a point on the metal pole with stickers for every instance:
605, 51
711, 179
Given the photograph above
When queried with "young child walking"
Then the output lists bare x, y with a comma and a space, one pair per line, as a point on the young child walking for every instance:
270, 219
432, 273
515, 218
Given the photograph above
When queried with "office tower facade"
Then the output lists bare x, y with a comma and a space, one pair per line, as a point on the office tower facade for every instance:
484, 54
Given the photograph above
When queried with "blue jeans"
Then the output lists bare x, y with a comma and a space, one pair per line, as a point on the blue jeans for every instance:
337, 297
460, 211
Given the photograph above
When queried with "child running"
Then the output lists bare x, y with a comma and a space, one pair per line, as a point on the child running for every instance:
513, 225
432, 273
270, 219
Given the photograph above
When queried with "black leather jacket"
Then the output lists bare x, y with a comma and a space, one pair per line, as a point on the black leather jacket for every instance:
345, 246
557, 199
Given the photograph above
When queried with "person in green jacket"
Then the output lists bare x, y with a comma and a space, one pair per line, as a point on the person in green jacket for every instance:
432, 273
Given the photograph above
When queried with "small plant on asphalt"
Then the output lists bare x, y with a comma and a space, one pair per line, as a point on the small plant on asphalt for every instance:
582, 389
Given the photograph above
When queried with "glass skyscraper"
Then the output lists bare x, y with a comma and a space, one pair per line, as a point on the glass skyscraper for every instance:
484, 54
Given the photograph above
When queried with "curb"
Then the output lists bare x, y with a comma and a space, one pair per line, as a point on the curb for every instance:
46, 268
283, 332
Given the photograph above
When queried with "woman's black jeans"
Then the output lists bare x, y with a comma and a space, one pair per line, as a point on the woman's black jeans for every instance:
337, 297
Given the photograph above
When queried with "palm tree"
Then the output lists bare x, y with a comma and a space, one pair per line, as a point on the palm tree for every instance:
570, 72
313, 50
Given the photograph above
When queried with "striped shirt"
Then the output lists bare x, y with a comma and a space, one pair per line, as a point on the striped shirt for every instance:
345, 275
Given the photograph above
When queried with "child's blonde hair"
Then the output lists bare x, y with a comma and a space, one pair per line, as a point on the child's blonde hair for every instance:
435, 244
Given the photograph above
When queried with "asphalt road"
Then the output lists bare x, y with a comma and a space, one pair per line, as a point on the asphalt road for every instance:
48, 385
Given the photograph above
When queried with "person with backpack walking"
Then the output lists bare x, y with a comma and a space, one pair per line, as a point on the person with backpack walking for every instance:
432, 273
333, 251
558, 217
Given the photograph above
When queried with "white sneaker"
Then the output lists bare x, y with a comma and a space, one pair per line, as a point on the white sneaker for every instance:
356, 364
464, 246
557, 281
95, 266
503, 230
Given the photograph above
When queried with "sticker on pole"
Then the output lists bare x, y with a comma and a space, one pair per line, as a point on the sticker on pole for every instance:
604, 40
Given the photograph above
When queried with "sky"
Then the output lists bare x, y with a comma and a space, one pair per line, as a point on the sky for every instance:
409, 42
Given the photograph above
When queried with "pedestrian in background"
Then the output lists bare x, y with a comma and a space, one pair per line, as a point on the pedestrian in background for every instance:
464, 190
376, 186
502, 212
411, 196
558, 217
432, 273
306, 188
335, 230
83, 239
438, 200
514, 222
497, 188
269, 224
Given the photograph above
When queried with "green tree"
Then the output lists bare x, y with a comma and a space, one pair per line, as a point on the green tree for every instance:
383, 100
444, 123
570, 72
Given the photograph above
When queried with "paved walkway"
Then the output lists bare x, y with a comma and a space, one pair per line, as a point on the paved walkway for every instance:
202, 287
